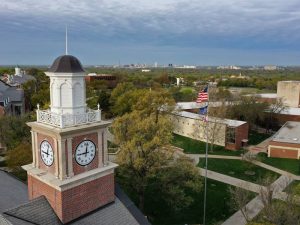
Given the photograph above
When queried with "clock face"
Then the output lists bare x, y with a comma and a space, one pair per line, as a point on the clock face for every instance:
85, 152
47, 153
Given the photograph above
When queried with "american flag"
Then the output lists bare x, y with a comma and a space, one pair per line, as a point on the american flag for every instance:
202, 95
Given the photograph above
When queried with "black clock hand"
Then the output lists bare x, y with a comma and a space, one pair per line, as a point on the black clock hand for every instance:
45, 153
86, 151
83, 153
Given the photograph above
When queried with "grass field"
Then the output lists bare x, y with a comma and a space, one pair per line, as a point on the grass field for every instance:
289, 165
294, 187
239, 169
279, 216
218, 207
198, 147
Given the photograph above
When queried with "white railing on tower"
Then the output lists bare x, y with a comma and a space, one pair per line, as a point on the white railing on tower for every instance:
67, 120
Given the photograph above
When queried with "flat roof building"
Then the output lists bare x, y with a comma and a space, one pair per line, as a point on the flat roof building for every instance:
231, 134
286, 142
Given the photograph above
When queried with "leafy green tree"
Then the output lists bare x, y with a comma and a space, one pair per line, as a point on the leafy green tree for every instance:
19, 156
248, 109
37, 91
143, 134
123, 97
13, 130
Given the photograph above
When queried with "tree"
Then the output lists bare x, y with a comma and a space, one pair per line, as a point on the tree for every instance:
278, 212
123, 97
239, 199
143, 135
13, 130
273, 109
19, 156
214, 129
247, 109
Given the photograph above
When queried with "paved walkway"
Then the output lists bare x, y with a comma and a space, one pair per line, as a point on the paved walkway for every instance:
276, 170
252, 208
196, 157
261, 147
231, 180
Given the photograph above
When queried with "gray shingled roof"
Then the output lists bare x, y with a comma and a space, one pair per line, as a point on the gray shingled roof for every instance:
66, 64
37, 211
13, 193
21, 79
15, 94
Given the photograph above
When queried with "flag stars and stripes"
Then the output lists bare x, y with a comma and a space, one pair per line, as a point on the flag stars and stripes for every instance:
202, 95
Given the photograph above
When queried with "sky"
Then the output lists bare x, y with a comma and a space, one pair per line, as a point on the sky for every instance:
185, 32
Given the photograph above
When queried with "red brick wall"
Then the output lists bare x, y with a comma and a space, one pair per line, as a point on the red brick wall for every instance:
241, 132
282, 119
77, 201
283, 153
2, 111
75, 142
284, 144
40, 138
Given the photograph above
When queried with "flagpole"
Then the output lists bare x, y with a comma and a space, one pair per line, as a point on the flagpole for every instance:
206, 154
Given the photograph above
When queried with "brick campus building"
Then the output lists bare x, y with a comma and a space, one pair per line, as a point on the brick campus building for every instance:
286, 142
70, 179
232, 134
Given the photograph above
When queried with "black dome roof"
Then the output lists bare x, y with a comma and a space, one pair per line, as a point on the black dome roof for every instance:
66, 64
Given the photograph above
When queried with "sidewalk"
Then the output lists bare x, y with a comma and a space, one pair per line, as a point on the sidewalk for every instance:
196, 157
231, 180
276, 170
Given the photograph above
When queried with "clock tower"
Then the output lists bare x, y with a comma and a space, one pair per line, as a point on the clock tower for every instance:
69, 144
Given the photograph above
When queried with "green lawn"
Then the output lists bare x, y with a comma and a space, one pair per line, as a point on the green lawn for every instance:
281, 215
256, 138
218, 207
294, 187
289, 165
198, 147
239, 169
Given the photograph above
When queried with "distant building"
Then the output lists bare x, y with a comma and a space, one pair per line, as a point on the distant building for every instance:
229, 67
111, 79
146, 71
289, 91
286, 142
11, 100
270, 67
18, 79
179, 81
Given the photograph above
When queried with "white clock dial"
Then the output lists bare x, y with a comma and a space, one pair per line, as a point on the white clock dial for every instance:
47, 153
85, 152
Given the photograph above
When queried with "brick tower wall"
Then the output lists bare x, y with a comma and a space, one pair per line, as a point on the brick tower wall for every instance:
77, 201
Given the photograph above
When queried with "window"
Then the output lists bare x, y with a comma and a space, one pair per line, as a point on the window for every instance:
230, 135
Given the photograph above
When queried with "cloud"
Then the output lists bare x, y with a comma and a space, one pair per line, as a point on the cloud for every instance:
183, 24
214, 17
